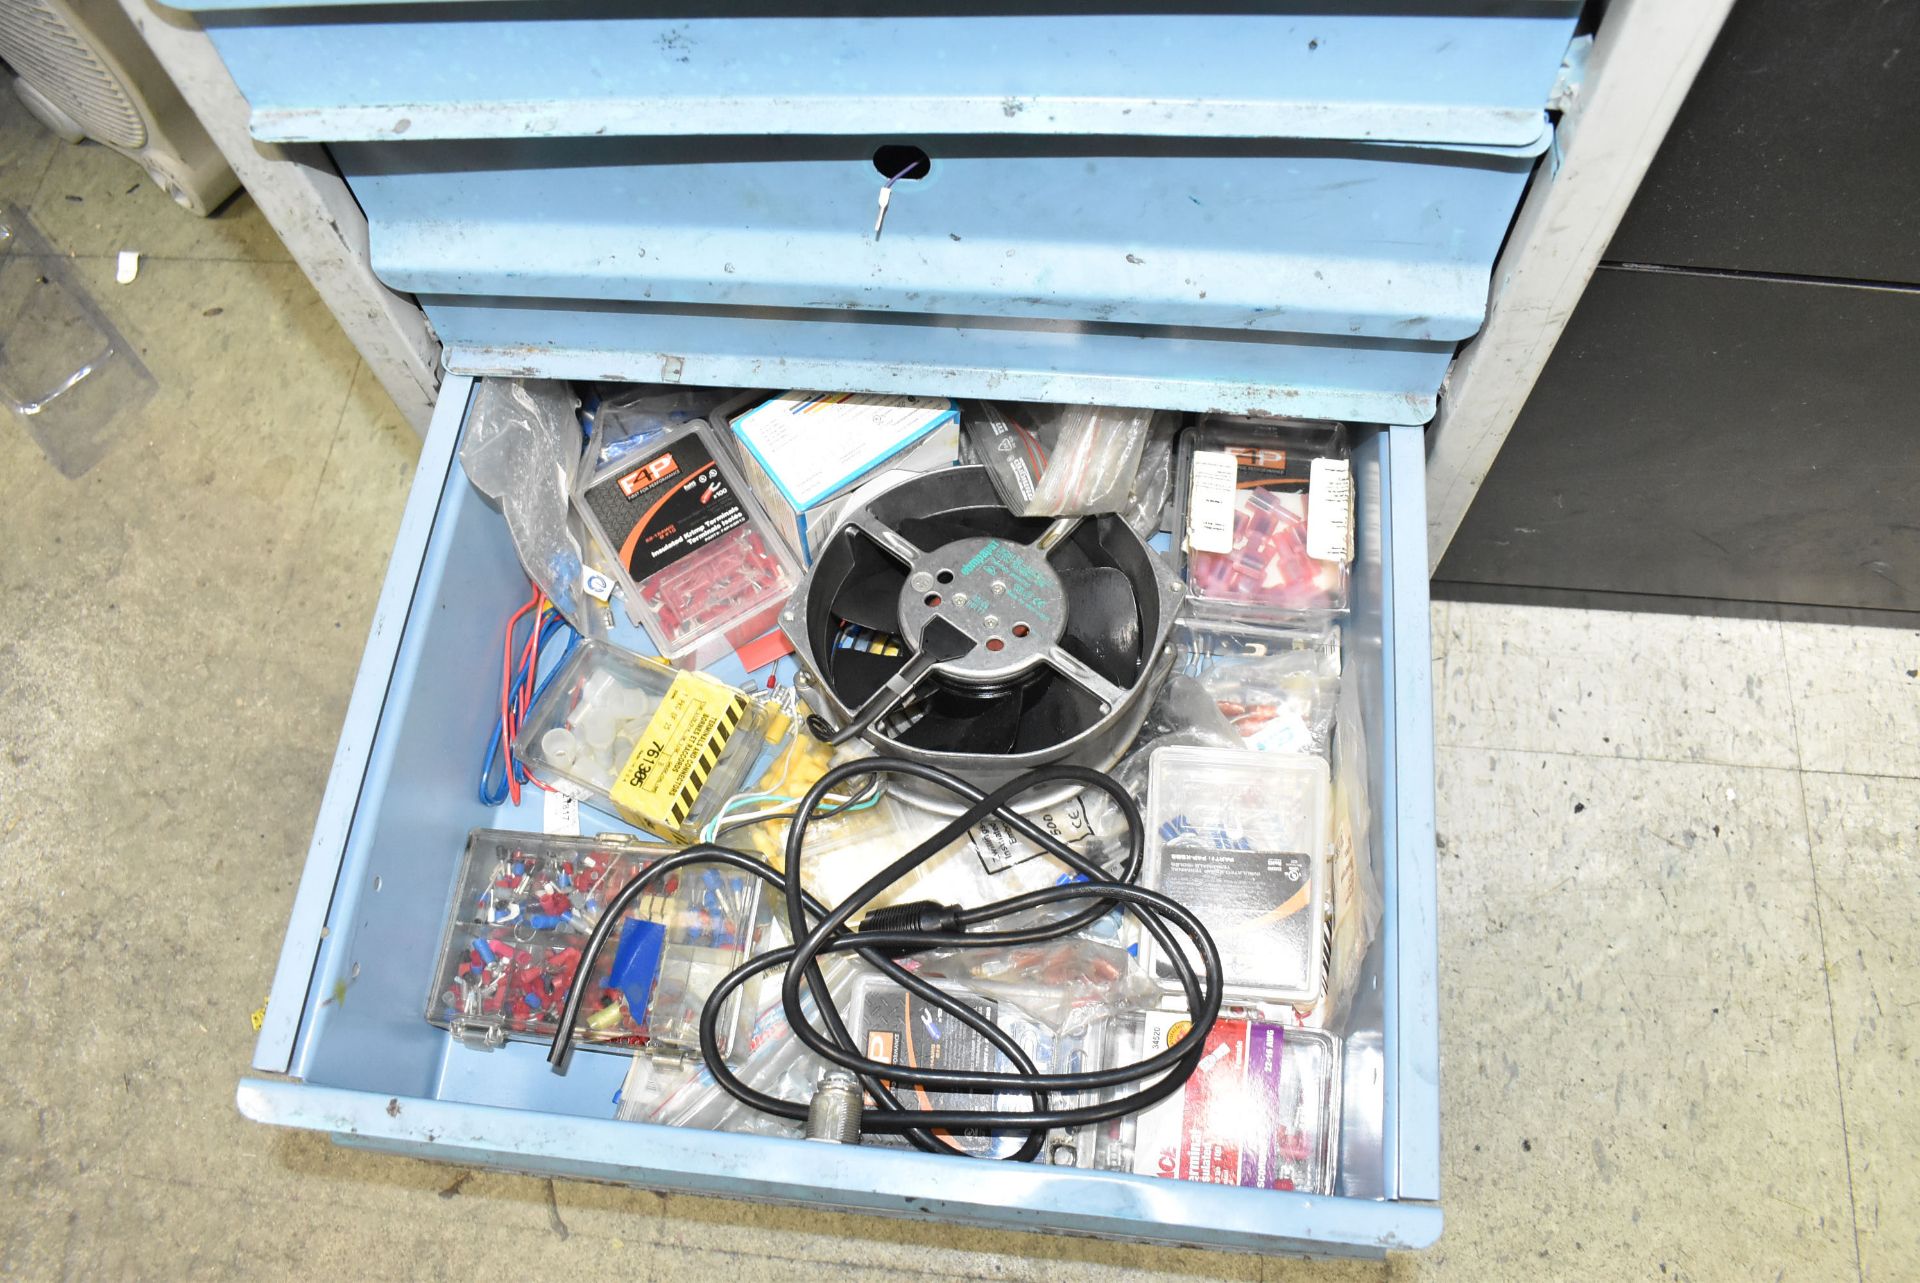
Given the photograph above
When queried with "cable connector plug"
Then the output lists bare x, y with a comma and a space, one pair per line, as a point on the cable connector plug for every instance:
920, 915
833, 1115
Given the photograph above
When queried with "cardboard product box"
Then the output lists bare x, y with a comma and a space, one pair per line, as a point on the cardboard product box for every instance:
807, 456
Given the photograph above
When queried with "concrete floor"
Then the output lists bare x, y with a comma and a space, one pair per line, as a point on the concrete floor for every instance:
1680, 869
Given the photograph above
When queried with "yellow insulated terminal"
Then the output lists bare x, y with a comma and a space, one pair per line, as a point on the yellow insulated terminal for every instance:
792, 772
608, 1017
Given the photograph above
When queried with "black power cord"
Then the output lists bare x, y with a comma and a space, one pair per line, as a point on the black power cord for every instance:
885, 935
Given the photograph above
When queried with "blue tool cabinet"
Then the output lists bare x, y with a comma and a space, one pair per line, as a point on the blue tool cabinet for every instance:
1258, 207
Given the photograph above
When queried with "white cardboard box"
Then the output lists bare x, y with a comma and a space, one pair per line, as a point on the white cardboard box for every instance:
805, 453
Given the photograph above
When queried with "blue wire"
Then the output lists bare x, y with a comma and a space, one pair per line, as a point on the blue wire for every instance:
490, 795
540, 687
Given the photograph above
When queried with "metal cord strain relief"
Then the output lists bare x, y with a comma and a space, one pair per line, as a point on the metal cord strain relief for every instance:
833, 1115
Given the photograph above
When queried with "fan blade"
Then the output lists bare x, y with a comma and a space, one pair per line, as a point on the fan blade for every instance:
856, 674
957, 724
1068, 556
1103, 622
1085, 548
870, 597
929, 533
1055, 711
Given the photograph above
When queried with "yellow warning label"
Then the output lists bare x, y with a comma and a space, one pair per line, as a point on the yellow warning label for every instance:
677, 752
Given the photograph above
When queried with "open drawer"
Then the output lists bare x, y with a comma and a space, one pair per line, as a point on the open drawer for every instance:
345, 1049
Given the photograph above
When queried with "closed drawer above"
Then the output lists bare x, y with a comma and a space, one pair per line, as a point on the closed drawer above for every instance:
1443, 72
1379, 241
1315, 278
1256, 207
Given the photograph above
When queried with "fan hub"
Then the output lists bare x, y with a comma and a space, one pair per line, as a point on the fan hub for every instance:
1000, 593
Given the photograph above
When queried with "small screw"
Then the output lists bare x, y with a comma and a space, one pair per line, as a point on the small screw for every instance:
1177, 586
922, 581
788, 616
999, 587
993, 621
959, 599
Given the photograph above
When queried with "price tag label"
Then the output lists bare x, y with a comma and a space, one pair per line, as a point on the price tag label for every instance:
560, 814
1210, 507
1330, 511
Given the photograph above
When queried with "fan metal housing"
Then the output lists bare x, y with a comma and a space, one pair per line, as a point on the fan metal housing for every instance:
1051, 634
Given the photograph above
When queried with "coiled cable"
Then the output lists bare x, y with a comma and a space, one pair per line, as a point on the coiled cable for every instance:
888, 934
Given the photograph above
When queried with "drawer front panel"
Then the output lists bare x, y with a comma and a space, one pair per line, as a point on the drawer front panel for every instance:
1450, 72
1007, 1196
1378, 241
1300, 278
1235, 372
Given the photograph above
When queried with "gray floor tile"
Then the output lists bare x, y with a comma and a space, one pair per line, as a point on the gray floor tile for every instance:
91, 214
182, 628
92, 202
1866, 844
27, 147
1637, 1068
1856, 697
1614, 684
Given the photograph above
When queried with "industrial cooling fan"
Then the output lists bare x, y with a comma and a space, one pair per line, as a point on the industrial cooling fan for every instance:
943, 628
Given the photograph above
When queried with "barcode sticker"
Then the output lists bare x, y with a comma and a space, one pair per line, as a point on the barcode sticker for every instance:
1210, 506
1022, 479
1330, 511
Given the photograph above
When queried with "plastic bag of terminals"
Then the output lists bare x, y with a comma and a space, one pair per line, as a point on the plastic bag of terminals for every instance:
1060, 461
1182, 714
522, 446
1202, 646
776, 1062
630, 416
1070, 984
1281, 704
1356, 890
1146, 506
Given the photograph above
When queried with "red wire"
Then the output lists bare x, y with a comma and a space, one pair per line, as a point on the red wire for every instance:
507, 723
530, 660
